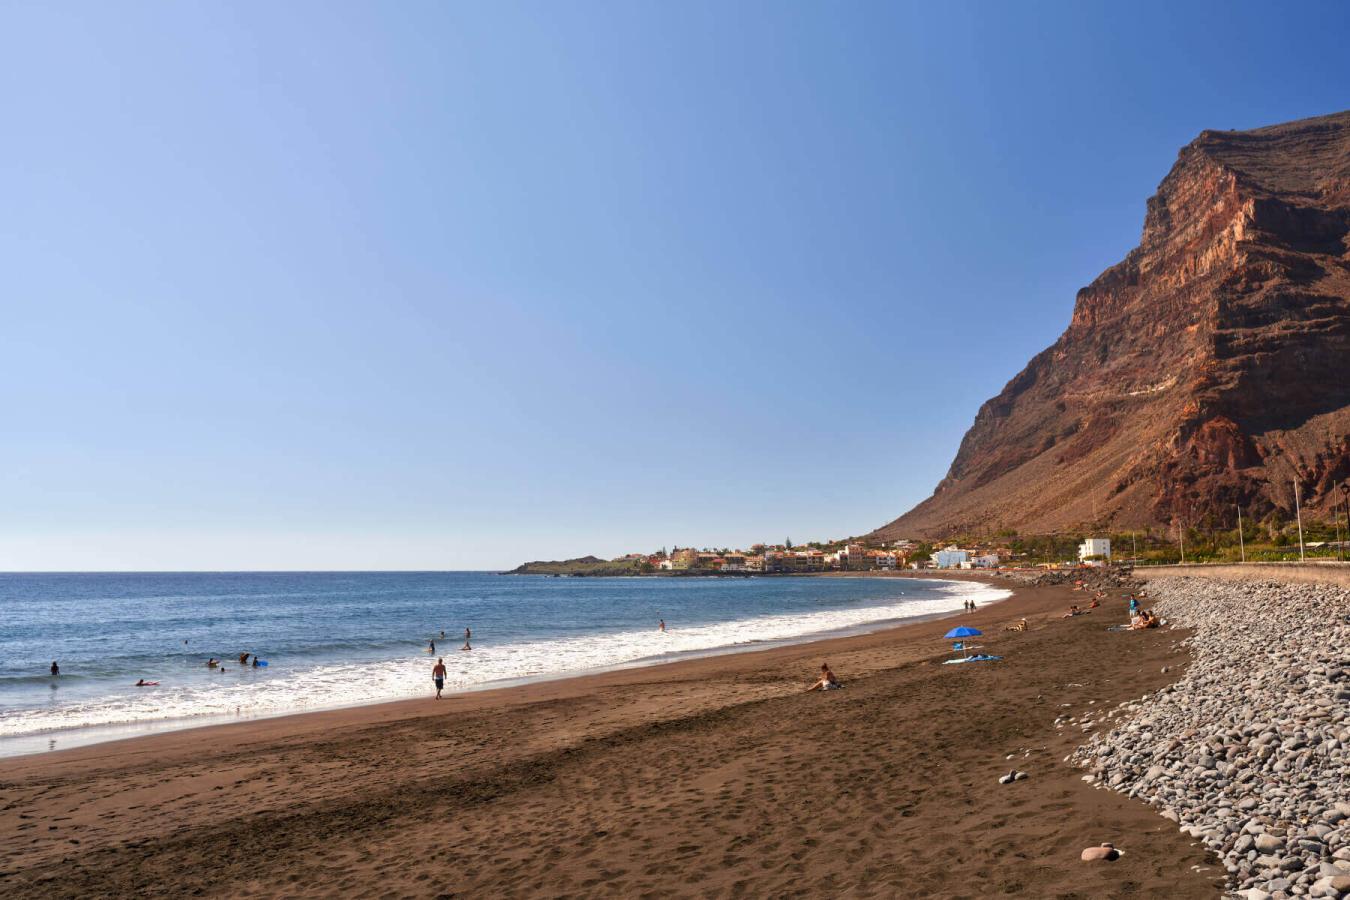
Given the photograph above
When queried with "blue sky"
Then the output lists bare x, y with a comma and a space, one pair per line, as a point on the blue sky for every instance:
433, 285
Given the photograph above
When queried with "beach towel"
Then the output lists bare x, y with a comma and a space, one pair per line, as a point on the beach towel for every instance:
982, 657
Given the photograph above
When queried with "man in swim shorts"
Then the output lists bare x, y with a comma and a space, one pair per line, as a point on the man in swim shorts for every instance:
438, 676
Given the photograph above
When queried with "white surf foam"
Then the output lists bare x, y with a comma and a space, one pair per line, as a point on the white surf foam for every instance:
280, 690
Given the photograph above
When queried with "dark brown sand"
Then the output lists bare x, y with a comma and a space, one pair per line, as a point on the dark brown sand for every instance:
712, 777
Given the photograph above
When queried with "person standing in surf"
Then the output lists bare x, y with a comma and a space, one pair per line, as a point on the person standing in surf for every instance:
662, 626
438, 676
467, 636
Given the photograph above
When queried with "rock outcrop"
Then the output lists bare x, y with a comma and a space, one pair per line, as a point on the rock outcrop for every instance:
1209, 368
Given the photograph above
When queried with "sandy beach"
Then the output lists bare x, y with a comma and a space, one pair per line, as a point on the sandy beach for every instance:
707, 777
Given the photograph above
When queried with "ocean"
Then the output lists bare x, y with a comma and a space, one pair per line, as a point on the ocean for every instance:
339, 639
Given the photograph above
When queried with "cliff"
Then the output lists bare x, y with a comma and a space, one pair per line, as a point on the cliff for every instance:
1209, 368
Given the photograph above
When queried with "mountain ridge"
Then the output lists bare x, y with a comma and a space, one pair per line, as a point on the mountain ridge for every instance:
1206, 370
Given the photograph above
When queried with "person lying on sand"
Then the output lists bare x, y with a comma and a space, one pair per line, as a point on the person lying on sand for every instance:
1074, 611
827, 680
1018, 626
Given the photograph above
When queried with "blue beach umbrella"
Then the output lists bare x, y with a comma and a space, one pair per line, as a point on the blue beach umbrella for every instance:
963, 632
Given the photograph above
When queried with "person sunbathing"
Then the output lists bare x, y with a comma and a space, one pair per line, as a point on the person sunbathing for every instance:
1074, 611
827, 680
1019, 626
1145, 619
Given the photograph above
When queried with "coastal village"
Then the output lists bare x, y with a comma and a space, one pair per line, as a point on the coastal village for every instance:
850, 556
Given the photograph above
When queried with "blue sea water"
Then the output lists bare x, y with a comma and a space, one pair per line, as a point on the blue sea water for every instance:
338, 639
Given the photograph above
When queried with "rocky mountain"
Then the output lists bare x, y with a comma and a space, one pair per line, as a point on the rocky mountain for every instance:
1209, 368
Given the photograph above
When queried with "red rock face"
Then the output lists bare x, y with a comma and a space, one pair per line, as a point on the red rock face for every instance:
1209, 368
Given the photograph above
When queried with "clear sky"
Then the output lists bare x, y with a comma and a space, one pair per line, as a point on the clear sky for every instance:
437, 285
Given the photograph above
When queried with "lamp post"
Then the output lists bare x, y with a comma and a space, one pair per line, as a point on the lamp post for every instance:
1345, 498
1242, 546
1298, 513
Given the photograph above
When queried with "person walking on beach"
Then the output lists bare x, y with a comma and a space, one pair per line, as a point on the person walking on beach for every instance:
438, 676
56, 670
467, 636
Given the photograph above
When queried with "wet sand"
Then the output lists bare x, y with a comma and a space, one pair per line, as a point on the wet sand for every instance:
708, 777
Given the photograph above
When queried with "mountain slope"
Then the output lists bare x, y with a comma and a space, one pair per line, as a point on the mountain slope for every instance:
1207, 369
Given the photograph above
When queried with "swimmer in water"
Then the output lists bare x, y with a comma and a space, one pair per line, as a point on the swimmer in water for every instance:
431, 646
662, 626
56, 670
467, 635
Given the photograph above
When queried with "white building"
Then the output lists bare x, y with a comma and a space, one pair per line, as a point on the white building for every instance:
950, 558
1094, 547
988, 561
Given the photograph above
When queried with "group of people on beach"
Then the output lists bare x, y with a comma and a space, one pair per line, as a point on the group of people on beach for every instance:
1139, 618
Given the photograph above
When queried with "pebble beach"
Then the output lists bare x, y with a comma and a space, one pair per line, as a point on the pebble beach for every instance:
1248, 752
